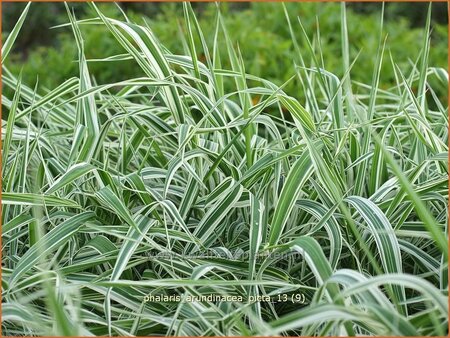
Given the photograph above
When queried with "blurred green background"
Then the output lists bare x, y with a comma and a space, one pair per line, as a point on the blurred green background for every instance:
49, 55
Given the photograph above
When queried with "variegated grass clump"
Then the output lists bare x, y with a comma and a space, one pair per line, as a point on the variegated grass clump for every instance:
155, 185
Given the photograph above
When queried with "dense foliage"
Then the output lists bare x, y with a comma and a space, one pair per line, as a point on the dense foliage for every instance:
266, 44
191, 176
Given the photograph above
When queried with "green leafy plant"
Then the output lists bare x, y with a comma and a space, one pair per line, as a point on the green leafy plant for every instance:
266, 45
196, 178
